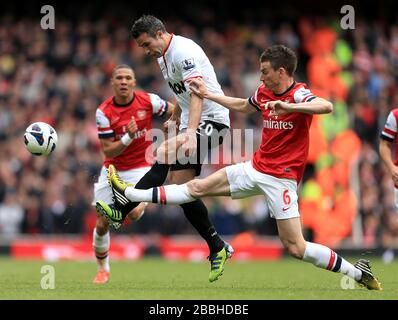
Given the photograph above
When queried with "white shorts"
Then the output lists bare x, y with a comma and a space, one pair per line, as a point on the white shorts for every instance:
280, 194
102, 190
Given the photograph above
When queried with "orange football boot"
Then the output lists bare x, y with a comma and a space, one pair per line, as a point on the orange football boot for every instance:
101, 277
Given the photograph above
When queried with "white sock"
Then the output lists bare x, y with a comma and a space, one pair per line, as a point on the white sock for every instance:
101, 246
325, 258
138, 195
171, 194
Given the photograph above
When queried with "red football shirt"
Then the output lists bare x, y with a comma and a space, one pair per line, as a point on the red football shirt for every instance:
112, 120
285, 139
390, 130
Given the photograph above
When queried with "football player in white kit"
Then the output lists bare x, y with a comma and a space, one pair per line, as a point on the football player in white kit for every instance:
202, 126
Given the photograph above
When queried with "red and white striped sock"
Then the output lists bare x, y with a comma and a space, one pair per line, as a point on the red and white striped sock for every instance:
325, 258
171, 194
101, 246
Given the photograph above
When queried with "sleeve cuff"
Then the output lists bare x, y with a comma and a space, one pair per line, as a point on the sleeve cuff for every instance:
106, 135
252, 103
310, 99
382, 136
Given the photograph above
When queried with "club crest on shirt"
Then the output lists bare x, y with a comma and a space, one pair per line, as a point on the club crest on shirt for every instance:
188, 64
264, 101
141, 114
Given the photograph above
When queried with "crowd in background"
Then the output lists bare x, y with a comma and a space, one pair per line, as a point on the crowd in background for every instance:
60, 76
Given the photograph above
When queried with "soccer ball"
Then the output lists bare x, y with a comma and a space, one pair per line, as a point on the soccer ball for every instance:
40, 139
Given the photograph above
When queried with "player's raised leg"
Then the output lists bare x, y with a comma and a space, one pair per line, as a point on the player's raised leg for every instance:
322, 256
167, 153
156, 176
214, 185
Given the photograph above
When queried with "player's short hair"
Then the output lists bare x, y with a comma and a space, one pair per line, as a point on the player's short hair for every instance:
121, 66
280, 56
147, 24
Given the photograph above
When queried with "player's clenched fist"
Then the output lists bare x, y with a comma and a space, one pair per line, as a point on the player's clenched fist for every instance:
278, 108
132, 127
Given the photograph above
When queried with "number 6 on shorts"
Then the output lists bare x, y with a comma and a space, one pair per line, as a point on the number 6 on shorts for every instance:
286, 197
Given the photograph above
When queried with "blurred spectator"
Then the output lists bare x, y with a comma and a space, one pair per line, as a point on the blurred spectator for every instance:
11, 215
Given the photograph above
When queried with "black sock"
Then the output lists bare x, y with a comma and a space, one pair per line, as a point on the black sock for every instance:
155, 177
197, 215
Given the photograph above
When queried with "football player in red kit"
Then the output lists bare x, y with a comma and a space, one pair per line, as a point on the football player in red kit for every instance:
389, 155
122, 121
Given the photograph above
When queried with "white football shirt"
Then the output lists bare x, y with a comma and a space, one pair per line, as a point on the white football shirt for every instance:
182, 60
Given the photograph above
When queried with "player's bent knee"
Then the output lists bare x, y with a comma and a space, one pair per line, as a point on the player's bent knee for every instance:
295, 252
196, 188
294, 249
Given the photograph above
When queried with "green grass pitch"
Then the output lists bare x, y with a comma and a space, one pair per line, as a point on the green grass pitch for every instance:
152, 279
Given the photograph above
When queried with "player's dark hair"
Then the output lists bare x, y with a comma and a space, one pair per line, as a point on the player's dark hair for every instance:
280, 56
147, 24
121, 66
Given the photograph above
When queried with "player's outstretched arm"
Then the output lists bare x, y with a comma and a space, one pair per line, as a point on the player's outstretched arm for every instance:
315, 106
199, 88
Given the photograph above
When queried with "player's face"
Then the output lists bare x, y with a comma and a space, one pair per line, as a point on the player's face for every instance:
270, 77
152, 46
123, 82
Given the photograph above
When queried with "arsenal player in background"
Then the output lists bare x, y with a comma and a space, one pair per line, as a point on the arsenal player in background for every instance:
122, 121
388, 143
